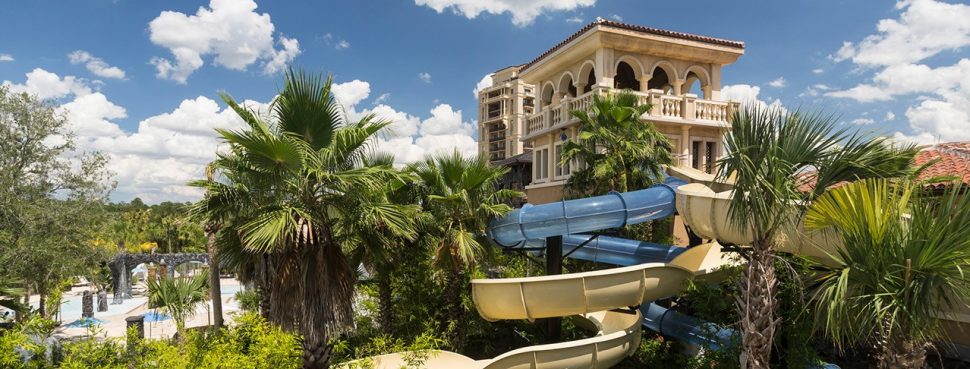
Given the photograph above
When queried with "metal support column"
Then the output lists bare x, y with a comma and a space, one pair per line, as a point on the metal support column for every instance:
553, 267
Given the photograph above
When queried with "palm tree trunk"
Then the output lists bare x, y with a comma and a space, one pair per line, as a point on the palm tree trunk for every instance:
757, 303
42, 304
455, 315
265, 302
215, 289
897, 353
385, 294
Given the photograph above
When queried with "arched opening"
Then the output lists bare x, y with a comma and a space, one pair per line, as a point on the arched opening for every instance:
567, 85
693, 85
660, 81
547, 92
625, 78
590, 81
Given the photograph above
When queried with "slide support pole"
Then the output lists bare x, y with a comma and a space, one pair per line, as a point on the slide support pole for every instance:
553, 267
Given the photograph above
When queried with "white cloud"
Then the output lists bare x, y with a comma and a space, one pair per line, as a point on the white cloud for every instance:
924, 29
890, 115
616, 17
48, 85
523, 12
410, 138
815, 90
482, 84
862, 121
747, 95
900, 54
339, 45
382, 98
818, 71
282, 57
574, 19
95, 65
232, 31
6, 58
425, 77
778, 82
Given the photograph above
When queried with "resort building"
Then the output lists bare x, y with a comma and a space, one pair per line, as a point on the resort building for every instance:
502, 109
679, 74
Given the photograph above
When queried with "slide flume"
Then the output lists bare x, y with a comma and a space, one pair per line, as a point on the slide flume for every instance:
604, 299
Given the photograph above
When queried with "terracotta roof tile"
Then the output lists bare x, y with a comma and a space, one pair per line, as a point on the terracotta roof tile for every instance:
636, 28
954, 162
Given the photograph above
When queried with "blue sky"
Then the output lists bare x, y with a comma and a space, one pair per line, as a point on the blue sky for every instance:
113, 65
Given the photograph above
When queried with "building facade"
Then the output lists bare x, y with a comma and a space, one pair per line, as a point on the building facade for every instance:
502, 109
678, 74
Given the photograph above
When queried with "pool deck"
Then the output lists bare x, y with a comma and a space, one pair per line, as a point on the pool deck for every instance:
115, 316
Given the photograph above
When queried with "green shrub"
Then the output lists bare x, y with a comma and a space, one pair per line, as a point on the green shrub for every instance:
252, 343
248, 300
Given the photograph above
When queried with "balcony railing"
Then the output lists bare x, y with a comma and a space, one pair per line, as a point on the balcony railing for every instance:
665, 107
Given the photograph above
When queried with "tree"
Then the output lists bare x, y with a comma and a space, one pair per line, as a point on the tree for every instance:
769, 154
51, 196
615, 149
215, 287
376, 246
461, 194
899, 269
178, 297
285, 190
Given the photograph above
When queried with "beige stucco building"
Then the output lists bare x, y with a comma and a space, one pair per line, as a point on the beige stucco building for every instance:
502, 109
678, 73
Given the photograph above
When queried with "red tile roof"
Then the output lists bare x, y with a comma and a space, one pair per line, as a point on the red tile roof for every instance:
954, 161
640, 29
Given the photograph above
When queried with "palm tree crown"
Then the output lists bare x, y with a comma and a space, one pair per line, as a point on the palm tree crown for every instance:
286, 190
618, 151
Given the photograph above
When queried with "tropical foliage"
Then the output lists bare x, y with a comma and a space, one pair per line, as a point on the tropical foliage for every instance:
178, 297
461, 194
614, 150
770, 152
286, 191
900, 267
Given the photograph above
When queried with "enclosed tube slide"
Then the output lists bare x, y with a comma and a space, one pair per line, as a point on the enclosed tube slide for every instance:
613, 210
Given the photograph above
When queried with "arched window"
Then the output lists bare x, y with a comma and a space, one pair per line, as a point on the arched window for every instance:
547, 92
625, 77
660, 80
590, 81
693, 85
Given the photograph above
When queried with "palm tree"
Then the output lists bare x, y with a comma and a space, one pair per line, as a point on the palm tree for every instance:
215, 287
899, 269
178, 297
461, 195
620, 151
375, 246
301, 183
769, 153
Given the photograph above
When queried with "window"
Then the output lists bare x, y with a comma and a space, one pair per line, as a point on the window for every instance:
562, 170
710, 156
695, 154
540, 163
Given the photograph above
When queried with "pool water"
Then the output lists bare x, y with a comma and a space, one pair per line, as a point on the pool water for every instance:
85, 322
155, 316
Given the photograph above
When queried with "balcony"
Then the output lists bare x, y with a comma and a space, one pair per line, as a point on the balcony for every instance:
496, 137
666, 108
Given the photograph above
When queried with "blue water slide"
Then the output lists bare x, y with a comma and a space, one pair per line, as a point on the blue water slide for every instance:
613, 210
611, 250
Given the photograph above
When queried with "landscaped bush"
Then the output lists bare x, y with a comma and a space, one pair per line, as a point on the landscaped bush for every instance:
252, 344
248, 300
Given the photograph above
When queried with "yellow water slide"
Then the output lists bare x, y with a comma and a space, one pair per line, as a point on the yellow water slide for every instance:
604, 301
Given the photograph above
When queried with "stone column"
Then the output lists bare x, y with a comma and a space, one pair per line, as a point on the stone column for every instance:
121, 275
678, 87
645, 83
102, 301
685, 146
87, 305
